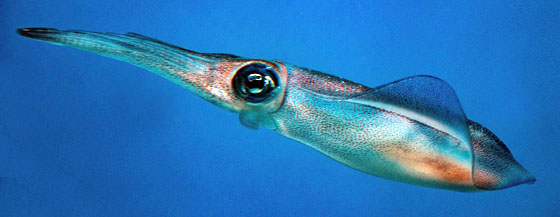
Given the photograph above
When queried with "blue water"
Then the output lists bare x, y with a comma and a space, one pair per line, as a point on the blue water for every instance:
84, 135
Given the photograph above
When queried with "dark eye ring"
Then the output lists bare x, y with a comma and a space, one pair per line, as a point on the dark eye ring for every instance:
255, 82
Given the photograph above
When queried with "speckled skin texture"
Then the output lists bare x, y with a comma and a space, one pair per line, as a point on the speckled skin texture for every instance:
495, 167
412, 130
319, 111
315, 112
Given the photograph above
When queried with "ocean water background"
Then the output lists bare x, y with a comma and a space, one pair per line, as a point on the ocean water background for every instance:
85, 135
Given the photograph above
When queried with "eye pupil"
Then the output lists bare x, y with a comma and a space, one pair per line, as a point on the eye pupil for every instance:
255, 82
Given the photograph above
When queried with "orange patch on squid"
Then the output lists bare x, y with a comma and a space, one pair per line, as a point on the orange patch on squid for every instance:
429, 166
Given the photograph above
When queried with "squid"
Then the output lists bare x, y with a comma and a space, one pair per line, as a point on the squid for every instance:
412, 130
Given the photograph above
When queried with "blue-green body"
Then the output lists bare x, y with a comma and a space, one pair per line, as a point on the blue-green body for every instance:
412, 130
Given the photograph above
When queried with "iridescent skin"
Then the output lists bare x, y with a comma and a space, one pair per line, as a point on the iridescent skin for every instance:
412, 130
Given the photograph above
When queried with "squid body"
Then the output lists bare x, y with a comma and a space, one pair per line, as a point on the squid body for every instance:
411, 130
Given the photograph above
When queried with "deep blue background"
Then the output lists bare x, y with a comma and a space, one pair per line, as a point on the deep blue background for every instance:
84, 135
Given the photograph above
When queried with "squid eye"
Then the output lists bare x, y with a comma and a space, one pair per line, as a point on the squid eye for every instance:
255, 82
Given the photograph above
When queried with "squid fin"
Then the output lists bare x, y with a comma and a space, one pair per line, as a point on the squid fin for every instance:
423, 98
494, 165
